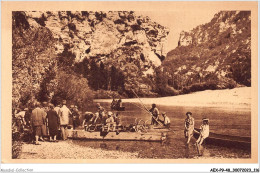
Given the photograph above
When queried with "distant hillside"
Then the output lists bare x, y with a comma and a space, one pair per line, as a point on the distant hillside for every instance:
215, 55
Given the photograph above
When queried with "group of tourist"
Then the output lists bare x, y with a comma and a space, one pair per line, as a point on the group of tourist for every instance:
45, 120
101, 117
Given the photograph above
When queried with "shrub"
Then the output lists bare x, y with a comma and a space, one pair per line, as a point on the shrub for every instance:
16, 143
119, 21
72, 88
136, 27
166, 91
105, 94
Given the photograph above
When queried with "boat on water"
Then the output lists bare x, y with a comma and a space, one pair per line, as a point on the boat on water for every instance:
118, 108
226, 140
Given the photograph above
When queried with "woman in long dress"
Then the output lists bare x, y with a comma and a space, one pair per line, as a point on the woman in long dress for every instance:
53, 123
189, 126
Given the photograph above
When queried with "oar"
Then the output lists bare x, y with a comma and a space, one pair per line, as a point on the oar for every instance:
147, 109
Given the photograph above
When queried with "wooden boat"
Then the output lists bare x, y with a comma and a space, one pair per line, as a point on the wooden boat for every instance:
151, 136
118, 108
226, 140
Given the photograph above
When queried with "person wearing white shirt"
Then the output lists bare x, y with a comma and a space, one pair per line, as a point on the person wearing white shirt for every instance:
64, 114
204, 131
166, 120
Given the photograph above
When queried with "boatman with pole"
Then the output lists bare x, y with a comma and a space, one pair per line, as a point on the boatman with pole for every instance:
155, 114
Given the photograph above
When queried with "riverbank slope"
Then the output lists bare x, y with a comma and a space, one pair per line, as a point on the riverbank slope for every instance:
237, 98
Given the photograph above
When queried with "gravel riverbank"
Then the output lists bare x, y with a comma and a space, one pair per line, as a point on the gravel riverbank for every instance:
68, 150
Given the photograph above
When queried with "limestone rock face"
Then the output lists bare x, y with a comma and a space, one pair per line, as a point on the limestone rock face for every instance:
104, 32
218, 52
132, 44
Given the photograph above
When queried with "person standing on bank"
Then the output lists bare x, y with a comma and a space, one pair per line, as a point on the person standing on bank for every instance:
37, 121
204, 131
189, 126
155, 114
44, 107
53, 123
64, 115
75, 117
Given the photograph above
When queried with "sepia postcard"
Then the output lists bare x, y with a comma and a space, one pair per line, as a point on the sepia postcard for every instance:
129, 82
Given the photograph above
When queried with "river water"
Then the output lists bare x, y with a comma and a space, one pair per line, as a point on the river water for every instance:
221, 120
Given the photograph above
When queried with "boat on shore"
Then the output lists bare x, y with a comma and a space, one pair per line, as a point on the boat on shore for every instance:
226, 140
153, 135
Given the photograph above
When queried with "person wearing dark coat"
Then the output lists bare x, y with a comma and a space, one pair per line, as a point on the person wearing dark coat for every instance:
75, 117
37, 121
53, 123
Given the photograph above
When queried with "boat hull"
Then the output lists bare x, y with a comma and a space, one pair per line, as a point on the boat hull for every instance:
122, 136
227, 140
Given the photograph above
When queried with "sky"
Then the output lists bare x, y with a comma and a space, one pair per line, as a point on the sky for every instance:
178, 21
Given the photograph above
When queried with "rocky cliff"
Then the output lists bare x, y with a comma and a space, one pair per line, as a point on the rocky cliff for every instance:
215, 55
101, 47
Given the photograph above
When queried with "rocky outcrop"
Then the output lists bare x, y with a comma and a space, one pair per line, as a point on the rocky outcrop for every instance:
92, 34
218, 52
46, 41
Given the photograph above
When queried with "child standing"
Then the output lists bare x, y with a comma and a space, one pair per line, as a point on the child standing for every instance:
204, 132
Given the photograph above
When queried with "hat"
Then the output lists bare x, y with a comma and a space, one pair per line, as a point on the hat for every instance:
188, 113
205, 119
153, 105
71, 106
26, 109
37, 104
51, 106
109, 113
98, 104
164, 113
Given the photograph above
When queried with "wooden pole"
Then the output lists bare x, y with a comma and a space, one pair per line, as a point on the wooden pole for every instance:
147, 109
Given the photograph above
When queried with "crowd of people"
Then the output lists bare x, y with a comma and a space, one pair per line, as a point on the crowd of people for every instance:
45, 120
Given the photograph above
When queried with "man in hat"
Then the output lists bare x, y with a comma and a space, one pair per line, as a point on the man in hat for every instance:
101, 112
57, 108
64, 115
110, 121
75, 117
166, 120
37, 121
189, 126
155, 114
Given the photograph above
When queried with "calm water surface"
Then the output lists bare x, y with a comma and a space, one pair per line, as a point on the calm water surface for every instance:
222, 120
